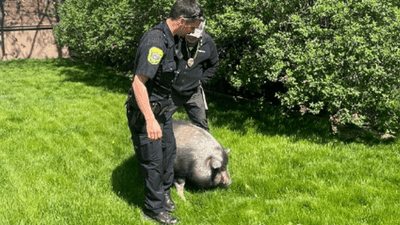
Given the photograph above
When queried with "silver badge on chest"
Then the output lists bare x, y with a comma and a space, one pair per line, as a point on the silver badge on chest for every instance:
190, 62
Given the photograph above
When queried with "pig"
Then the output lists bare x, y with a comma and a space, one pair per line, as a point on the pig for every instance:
199, 158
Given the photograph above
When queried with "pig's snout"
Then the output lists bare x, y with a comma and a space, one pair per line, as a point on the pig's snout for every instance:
222, 178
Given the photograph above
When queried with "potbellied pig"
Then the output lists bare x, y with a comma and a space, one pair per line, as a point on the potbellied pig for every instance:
199, 158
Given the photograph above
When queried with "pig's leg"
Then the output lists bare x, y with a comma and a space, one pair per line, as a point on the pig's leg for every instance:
179, 183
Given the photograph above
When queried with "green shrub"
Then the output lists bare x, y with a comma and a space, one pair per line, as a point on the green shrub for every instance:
107, 31
333, 55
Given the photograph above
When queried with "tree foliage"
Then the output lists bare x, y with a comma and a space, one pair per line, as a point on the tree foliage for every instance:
340, 57
336, 56
107, 31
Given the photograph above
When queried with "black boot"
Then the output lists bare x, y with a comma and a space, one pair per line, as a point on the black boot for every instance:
163, 217
169, 204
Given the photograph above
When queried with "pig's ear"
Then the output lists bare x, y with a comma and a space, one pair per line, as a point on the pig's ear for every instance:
215, 164
227, 150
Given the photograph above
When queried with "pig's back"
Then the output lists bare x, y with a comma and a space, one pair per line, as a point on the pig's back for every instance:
189, 136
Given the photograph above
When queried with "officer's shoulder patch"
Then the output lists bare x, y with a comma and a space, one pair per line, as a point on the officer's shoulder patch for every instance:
155, 55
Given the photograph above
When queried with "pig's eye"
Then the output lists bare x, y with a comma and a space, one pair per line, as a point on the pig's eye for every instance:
214, 173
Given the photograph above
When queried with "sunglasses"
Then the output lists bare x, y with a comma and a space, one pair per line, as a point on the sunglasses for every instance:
195, 17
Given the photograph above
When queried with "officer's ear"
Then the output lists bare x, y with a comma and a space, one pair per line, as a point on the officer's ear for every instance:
182, 21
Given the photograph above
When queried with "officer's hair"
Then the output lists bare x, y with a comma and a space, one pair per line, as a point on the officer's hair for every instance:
186, 9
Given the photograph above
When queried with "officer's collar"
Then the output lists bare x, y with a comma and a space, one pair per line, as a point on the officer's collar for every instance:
168, 34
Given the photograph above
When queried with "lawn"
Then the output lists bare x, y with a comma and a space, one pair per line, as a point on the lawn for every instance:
66, 158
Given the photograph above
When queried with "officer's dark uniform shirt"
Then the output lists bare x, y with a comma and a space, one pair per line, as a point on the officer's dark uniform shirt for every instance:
155, 59
203, 69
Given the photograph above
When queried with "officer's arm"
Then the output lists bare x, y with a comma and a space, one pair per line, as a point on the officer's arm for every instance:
212, 64
153, 128
209, 72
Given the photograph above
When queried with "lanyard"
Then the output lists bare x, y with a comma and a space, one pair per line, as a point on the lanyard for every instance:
190, 62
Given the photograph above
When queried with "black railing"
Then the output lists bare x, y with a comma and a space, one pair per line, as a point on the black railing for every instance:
20, 28
3, 50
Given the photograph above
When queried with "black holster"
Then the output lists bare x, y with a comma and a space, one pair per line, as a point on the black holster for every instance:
158, 107
131, 101
162, 106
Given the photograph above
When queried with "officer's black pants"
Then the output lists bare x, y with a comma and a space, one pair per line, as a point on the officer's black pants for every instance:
194, 106
156, 158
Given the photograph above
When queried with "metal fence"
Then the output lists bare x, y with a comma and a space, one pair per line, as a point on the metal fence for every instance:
26, 29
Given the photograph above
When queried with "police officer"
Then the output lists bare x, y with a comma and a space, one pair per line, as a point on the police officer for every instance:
149, 100
198, 65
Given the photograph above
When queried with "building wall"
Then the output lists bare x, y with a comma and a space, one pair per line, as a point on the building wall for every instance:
30, 14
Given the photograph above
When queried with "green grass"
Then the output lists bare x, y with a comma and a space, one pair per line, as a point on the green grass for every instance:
66, 158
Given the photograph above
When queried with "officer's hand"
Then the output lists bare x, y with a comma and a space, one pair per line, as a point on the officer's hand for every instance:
153, 129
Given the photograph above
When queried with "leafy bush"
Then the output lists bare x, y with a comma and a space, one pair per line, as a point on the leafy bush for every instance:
107, 31
336, 56
339, 57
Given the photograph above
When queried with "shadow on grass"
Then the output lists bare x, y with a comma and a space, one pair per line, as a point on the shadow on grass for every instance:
192, 188
127, 182
94, 75
240, 116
